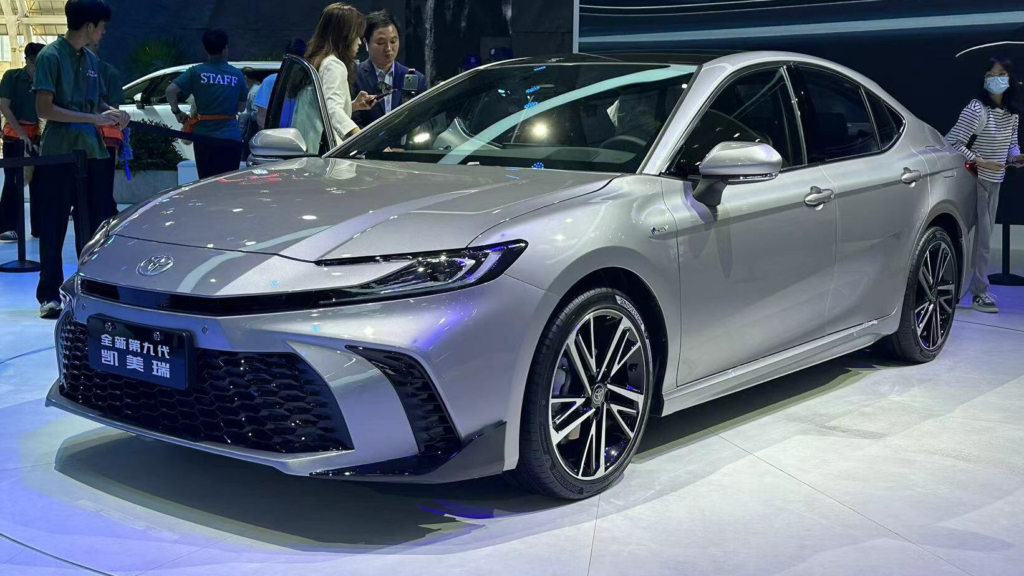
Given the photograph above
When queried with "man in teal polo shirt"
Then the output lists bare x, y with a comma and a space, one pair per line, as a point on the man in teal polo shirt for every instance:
21, 134
68, 96
220, 93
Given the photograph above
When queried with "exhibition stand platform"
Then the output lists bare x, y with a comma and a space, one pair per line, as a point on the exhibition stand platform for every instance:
857, 466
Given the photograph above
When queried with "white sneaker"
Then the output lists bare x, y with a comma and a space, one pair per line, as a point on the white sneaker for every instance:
985, 303
9, 237
50, 310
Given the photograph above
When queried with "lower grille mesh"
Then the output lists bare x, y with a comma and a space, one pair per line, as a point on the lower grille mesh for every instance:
270, 402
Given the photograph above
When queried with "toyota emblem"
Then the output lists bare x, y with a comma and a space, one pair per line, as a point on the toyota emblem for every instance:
155, 265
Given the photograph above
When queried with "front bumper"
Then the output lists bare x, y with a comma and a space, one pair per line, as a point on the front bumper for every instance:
473, 346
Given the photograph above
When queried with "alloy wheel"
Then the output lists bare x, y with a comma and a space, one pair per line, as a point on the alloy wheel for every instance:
935, 301
598, 391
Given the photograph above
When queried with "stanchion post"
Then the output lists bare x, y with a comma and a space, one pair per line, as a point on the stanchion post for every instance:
19, 227
22, 264
1006, 278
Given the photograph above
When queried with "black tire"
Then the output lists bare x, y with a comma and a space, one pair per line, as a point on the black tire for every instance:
540, 468
906, 344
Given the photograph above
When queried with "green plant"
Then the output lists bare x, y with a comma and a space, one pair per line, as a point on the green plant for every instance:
155, 54
152, 151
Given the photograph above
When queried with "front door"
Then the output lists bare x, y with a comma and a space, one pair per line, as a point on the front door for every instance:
297, 101
756, 271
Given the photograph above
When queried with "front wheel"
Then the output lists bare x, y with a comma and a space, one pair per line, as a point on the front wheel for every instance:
929, 303
587, 398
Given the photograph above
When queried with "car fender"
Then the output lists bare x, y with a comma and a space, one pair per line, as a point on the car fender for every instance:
626, 226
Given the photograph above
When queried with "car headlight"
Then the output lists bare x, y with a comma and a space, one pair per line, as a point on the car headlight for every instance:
434, 272
98, 239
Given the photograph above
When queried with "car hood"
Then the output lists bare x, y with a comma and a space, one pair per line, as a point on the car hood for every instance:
313, 209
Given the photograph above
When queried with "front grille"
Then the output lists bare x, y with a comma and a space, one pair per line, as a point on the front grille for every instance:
270, 402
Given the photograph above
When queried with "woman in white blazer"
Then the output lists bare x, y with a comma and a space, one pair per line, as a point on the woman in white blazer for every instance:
332, 51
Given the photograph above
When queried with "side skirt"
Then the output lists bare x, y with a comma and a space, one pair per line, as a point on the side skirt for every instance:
781, 364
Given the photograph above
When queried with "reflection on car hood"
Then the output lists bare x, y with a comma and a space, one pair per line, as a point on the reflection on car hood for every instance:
312, 209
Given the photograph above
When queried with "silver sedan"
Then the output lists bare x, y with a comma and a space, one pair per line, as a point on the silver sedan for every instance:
514, 271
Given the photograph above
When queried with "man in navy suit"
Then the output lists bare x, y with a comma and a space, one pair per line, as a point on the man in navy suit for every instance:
382, 73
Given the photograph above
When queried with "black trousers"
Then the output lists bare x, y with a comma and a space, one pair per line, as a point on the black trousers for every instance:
13, 199
214, 158
59, 195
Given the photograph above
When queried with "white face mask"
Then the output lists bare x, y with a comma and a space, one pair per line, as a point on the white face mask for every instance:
997, 84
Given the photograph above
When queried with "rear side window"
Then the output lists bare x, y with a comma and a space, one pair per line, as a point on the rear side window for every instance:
837, 124
888, 122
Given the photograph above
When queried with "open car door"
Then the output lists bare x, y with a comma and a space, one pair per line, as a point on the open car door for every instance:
297, 122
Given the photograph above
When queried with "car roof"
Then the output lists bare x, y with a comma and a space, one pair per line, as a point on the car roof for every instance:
258, 65
687, 57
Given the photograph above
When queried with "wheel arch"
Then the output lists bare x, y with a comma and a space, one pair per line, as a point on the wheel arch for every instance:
644, 298
948, 221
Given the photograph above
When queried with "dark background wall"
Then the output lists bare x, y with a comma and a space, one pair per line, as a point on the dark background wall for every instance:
909, 47
436, 33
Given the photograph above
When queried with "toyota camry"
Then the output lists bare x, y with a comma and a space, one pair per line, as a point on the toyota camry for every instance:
515, 271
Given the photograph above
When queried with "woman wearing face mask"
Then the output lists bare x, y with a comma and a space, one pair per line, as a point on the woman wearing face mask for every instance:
987, 134
332, 51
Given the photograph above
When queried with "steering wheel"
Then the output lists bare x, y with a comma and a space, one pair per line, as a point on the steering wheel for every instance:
625, 143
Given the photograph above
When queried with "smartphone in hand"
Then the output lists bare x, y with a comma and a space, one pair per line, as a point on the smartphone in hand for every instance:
412, 81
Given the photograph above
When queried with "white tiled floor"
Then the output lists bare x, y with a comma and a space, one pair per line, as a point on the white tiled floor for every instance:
855, 467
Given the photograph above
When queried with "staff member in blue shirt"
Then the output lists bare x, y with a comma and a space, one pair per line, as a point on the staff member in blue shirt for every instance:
382, 73
220, 93
69, 98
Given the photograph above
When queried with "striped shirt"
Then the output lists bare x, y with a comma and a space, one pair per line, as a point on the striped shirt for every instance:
997, 142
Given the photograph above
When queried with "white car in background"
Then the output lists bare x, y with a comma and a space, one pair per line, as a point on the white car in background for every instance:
145, 98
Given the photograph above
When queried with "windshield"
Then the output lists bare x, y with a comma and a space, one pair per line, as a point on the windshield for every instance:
601, 117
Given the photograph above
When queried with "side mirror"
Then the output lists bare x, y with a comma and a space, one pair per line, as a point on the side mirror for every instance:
138, 102
278, 143
735, 163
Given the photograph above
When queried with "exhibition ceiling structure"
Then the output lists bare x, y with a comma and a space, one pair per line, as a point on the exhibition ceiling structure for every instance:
27, 21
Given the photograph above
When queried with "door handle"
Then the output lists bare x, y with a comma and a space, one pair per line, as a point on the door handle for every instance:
818, 197
910, 176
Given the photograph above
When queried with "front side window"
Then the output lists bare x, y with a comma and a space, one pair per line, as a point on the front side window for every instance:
601, 117
296, 104
756, 107
132, 92
158, 93
836, 124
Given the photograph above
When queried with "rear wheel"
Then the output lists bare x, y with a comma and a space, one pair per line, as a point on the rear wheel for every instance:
929, 303
587, 399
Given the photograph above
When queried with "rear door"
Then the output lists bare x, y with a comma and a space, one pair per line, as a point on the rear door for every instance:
881, 185
298, 102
